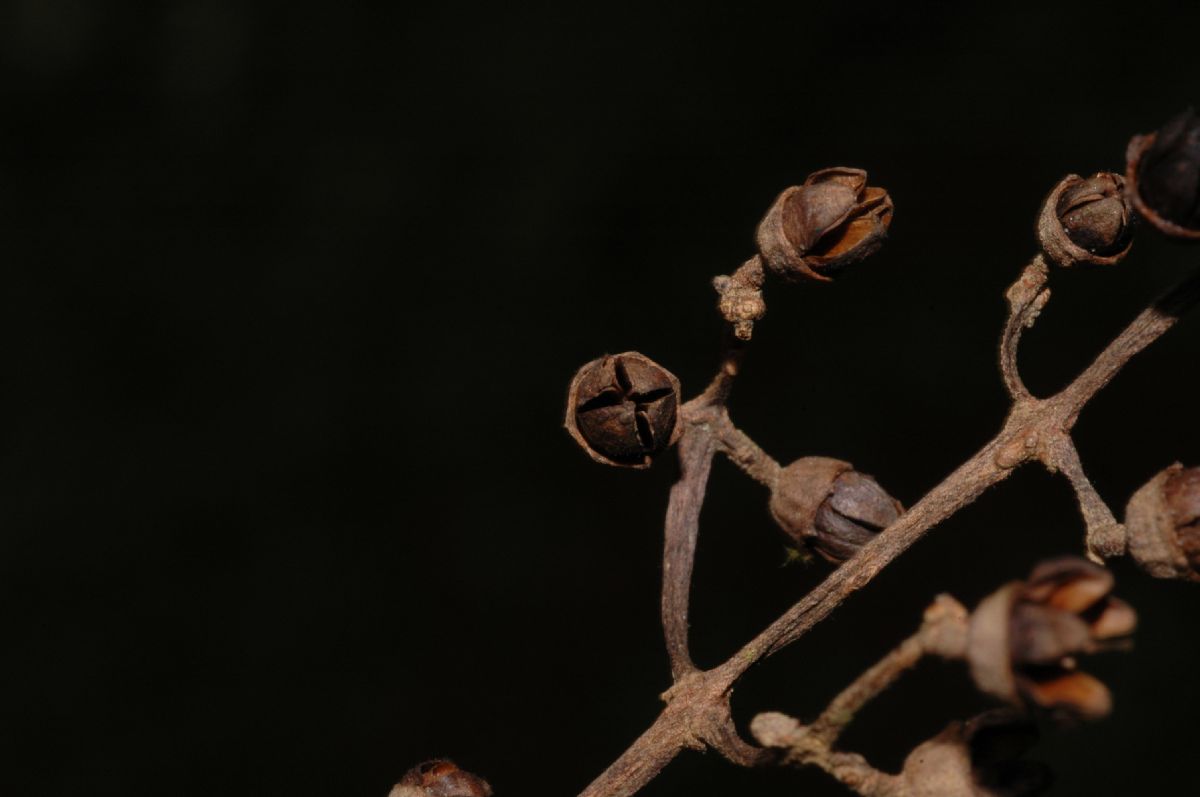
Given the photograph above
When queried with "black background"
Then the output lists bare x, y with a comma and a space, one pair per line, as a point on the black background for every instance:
290, 300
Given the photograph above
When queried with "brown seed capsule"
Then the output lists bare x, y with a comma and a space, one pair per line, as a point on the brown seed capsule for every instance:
1086, 220
440, 778
1024, 638
1163, 170
623, 409
1162, 521
978, 758
815, 229
828, 506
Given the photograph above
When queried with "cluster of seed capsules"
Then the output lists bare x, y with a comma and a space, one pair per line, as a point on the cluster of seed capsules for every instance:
625, 409
1022, 641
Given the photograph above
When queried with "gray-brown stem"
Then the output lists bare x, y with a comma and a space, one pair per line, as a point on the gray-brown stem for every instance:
942, 633
696, 448
799, 746
1026, 298
1105, 536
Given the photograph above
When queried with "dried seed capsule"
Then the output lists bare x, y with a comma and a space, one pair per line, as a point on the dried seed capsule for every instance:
440, 778
828, 506
978, 758
1162, 521
815, 229
1024, 638
623, 409
1086, 221
1163, 170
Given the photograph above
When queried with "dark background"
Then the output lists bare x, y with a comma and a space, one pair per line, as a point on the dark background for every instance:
291, 297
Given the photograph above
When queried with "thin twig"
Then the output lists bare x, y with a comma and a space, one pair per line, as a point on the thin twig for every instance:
1026, 298
1148, 327
744, 452
1105, 535
696, 449
717, 392
697, 445
842, 710
943, 633
799, 746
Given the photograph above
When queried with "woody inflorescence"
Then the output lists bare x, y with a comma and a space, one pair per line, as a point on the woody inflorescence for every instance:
1024, 643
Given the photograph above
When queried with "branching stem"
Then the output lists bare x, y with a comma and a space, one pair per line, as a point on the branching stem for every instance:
943, 633
697, 711
1026, 298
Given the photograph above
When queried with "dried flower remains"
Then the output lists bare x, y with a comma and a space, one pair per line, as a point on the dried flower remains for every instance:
830, 221
1025, 638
